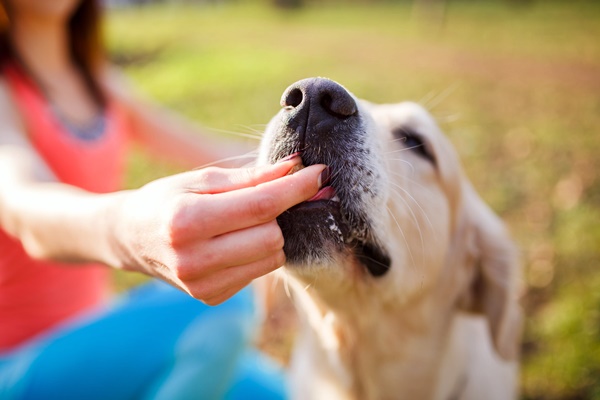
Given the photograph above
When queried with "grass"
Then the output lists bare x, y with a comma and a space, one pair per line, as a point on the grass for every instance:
516, 88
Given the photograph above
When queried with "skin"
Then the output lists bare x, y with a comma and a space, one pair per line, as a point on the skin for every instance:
208, 232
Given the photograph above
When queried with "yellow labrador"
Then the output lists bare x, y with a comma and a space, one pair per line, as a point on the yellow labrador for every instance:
404, 279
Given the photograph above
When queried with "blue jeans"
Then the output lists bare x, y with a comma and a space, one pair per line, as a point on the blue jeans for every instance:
154, 343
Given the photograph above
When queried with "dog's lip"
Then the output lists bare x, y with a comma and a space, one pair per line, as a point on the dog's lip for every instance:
325, 193
314, 205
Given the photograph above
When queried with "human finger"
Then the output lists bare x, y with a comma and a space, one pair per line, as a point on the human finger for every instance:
214, 180
233, 248
239, 209
219, 282
225, 295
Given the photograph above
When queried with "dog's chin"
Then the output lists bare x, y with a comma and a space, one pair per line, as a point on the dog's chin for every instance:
317, 238
314, 235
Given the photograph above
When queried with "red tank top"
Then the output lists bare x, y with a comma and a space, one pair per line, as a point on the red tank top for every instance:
36, 295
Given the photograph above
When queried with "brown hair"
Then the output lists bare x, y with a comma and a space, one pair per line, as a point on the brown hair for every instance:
85, 41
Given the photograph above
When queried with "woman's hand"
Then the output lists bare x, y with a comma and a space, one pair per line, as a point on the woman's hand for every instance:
209, 232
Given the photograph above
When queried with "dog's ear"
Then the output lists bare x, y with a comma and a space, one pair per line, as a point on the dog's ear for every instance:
493, 288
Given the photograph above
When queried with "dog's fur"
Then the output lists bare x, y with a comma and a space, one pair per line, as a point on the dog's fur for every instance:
406, 281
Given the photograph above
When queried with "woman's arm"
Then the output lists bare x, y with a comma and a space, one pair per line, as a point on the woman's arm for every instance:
170, 136
208, 232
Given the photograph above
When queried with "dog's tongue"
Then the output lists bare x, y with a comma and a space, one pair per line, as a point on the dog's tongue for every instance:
326, 193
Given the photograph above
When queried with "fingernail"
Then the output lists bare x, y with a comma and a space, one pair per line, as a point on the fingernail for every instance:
324, 177
290, 157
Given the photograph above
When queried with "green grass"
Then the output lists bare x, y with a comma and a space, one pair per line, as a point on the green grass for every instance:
515, 88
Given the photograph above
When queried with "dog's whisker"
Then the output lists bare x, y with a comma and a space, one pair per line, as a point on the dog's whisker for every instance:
428, 97
235, 133
416, 221
402, 149
259, 130
442, 96
334, 178
417, 204
401, 196
404, 177
252, 154
311, 284
396, 188
401, 233
401, 139
445, 119
412, 167
286, 284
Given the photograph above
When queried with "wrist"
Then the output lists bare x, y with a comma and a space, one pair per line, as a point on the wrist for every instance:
112, 249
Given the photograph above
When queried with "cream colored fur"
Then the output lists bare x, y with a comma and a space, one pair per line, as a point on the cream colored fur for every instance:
444, 322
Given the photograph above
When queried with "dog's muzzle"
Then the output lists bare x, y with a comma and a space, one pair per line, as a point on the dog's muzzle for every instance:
321, 121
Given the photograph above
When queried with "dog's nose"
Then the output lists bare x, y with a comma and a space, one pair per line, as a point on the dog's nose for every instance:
317, 104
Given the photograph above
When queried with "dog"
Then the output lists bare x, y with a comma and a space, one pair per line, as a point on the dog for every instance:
406, 283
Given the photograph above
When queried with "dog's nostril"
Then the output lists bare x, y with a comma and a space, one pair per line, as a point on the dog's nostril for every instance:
293, 98
337, 102
326, 101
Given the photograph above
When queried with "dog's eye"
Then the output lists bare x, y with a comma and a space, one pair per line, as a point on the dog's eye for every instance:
414, 142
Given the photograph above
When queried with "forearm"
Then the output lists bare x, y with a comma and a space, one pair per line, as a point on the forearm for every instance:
57, 221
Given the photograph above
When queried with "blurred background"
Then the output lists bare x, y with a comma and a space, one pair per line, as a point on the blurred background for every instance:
514, 83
